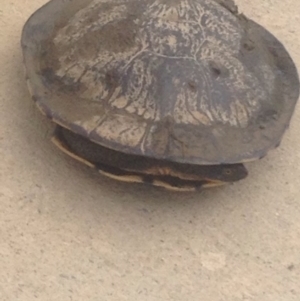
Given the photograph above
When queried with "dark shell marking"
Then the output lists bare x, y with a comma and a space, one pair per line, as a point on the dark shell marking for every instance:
183, 80
131, 168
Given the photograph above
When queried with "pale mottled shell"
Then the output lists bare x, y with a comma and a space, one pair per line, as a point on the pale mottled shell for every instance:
184, 80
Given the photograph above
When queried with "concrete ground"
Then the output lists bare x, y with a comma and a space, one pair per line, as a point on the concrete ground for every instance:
67, 233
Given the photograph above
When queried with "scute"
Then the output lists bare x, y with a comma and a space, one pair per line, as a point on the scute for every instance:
182, 80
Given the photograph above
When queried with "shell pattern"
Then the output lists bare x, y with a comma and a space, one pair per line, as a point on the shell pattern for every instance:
164, 58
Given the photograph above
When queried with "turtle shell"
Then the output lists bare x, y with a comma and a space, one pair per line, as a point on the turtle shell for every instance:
188, 81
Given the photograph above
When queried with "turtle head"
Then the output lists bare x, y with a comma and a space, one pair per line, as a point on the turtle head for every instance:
226, 173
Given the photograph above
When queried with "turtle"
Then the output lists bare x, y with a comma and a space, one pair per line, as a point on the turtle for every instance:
173, 93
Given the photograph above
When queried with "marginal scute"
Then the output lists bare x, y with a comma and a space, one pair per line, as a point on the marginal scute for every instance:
122, 129
89, 125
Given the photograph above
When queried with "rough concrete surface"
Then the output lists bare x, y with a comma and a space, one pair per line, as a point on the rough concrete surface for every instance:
67, 233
